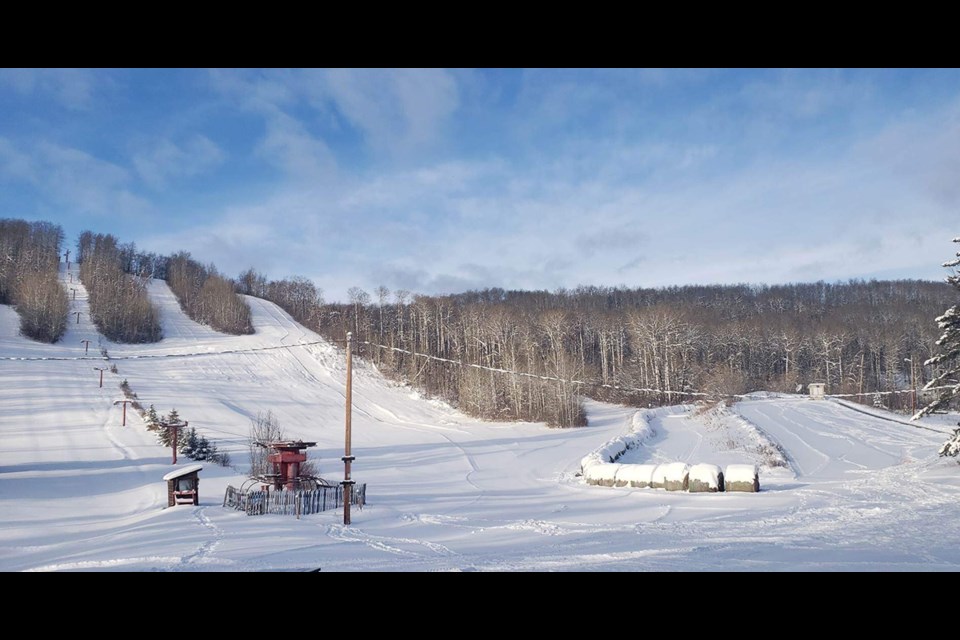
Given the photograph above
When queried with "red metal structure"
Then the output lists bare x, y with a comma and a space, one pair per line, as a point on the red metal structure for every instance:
286, 459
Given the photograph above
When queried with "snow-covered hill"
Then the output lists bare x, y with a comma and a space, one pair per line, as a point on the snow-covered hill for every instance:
445, 491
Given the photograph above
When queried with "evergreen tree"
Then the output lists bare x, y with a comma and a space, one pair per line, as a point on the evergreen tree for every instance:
188, 443
165, 435
203, 449
948, 360
152, 418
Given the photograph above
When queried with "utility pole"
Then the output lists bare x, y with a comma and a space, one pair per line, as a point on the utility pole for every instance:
124, 403
101, 370
86, 346
347, 457
913, 386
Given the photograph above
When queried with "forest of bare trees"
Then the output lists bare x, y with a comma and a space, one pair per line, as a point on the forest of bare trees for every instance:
119, 304
206, 296
633, 345
857, 337
29, 261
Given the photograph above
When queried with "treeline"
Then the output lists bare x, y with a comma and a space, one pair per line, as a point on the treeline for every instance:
858, 337
29, 261
206, 296
119, 304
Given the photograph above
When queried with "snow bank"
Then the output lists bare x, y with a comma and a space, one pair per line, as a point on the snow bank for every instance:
773, 455
705, 478
676, 476
639, 431
741, 477
635, 475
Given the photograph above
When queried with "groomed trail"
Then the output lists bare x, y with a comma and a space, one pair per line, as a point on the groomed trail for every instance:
446, 492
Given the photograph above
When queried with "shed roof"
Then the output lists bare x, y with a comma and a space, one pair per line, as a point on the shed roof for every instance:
176, 473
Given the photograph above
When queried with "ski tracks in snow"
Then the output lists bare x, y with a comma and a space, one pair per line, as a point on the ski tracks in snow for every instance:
389, 544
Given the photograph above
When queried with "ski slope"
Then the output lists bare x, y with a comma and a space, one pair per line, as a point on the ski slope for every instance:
446, 492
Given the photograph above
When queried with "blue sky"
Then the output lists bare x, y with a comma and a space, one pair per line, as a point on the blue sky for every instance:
439, 181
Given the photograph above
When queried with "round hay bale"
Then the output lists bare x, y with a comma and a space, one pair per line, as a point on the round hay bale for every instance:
705, 478
676, 476
603, 474
658, 479
635, 475
742, 477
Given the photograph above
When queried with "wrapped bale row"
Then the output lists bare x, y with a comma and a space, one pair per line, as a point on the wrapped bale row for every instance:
674, 476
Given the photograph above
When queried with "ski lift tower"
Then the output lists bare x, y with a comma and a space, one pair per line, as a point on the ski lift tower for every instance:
286, 458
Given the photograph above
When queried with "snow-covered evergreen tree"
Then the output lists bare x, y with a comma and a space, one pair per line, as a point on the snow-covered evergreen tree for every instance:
188, 443
203, 449
152, 418
164, 435
948, 360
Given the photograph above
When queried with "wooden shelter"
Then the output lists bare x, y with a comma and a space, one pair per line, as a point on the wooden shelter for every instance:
183, 485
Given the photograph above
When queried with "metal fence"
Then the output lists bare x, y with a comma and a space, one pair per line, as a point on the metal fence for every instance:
297, 503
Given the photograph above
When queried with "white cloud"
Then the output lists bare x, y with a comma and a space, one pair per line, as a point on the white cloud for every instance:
288, 143
289, 146
398, 110
165, 161
72, 88
805, 94
17, 165
72, 178
636, 210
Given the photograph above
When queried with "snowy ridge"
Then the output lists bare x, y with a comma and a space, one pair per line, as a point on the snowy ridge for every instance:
773, 454
609, 452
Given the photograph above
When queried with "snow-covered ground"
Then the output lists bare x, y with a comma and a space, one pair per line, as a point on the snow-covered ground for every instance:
445, 492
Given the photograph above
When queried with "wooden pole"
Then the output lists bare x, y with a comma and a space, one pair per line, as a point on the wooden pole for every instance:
913, 386
176, 432
124, 403
347, 457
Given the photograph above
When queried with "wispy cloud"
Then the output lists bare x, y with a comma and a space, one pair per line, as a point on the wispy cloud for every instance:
399, 111
164, 161
71, 88
438, 181
72, 178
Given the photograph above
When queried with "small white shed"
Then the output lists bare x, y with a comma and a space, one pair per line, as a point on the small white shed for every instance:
816, 390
